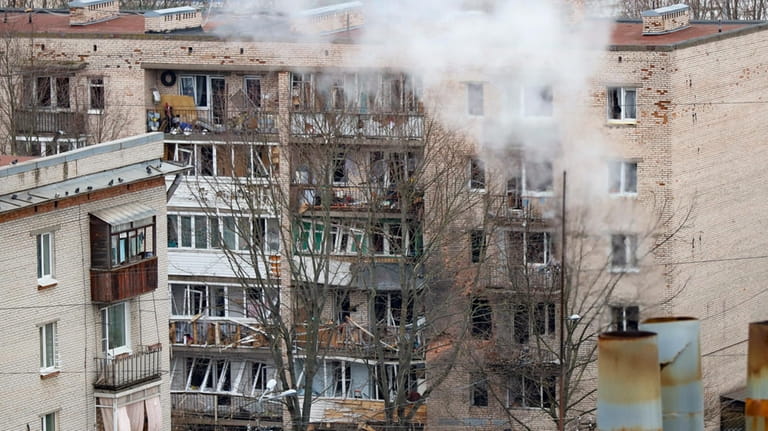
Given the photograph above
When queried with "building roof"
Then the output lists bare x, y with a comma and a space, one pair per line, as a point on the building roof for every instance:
12, 160
630, 33
124, 213
170, 11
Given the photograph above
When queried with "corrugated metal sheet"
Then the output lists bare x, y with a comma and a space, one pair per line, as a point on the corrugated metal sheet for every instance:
124, 213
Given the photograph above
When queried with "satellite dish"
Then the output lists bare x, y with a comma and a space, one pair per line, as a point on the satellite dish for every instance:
271, 385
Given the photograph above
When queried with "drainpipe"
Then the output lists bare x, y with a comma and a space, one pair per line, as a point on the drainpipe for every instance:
756, 409
628, 382
682, 391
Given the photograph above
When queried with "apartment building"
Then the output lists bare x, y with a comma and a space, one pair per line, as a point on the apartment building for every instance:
83, 257
308, 167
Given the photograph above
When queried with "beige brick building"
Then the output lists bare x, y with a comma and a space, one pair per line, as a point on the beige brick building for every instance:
86, 345
663, 160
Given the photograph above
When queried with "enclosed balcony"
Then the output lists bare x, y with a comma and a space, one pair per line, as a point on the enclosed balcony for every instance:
123, 260
192, 121
120, 372
41, 121
401, 125
223, 409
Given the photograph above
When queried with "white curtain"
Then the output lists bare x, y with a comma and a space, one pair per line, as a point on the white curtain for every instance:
154, 414
106, 413
123, 420
136, 415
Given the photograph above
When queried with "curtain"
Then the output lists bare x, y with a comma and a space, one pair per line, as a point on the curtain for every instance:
135, 413
106, 413
123, 420
154, 414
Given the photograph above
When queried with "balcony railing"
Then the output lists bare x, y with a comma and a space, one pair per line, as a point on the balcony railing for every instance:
355, 198
125, 281
223, 406
42, 121
196, 121
392, 125
517, 208
534, 278
352, 337
124, 371
215, 333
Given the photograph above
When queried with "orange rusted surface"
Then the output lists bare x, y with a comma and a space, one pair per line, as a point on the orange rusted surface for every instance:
756, 408
628, 367
355, 410
757, 355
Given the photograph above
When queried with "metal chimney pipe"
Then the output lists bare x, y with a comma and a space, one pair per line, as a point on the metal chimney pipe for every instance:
628, 382
682, 390
756, 408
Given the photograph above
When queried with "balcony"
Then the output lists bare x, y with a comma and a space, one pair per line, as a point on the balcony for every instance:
355, 198
353, 410
189, 332
384, 125
516, 208
211, 408
352, 338
535, 278
123, 371
125, 281
201, 122
42, 121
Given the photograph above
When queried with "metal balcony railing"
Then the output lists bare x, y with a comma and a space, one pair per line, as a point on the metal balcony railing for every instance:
123, 371
357, 197
204, 332
195, 121
224, 406
377, 125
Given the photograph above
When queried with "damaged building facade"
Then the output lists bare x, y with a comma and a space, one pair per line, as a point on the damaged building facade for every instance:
311, 181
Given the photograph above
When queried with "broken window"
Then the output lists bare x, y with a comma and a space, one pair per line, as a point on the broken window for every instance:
343, 306
96, 93
388, 309
623, 177
301, 91
622, 103
538, 177
537, 101
538, 248
623, 252
521, 323
482, 318
625, 317
253, 91
340, 168
478, 390
478, 245
527, 391
544, 318
476, 174
342, 379
475, 99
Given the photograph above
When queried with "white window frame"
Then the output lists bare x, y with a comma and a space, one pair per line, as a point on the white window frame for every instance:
93, 83
117, 350
475, 163
45, 277
208, 88
50, 360
475, 99
621, 169
54, 93
621, 93
630, 242
622, 323
539, 381
44, 426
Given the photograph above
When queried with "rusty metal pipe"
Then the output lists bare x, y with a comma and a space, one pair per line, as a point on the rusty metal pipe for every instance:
682, 390
756, 406
628, 382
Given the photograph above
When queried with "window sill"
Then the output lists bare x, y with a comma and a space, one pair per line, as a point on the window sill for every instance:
120, 352
46, 283
624, 195
95, 111
621, 122
625, 270
49, 374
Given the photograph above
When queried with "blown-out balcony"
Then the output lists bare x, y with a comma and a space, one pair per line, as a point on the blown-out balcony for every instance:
223, 409
189, 122
353, 339
356, 198
125, 281
222, 333
130, 369
351, 125
40, 121
544, 279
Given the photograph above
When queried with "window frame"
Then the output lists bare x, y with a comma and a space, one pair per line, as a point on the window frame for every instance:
97, 99
621, 178
475, 99
478, 175
478, 245
126, 330
621, 317
45, 278
49, 360
481, 318
630, 261
253, 102
478, 392
539, 381
616, 111
52, 416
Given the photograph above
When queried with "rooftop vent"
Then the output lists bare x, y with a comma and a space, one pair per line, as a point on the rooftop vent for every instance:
84, 12
666, 19
330, 19
172, 19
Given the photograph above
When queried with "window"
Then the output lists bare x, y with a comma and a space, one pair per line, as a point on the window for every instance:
482, 318
132, 241
115, 329
475, 98
533, 320
391, 239
478, 245
530, 248
50, 92
528, 391
537, 101
49, 348
340, 168
625, 317
623, 177
388, 308
228, 160
235, 233
253, 92
195, 86
96, 94
217, 301
342, 379
622, 103
476, 175
48, 422
478, 395
623, 252
538, 177
301, 90
45, 256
